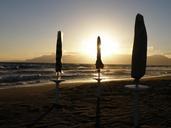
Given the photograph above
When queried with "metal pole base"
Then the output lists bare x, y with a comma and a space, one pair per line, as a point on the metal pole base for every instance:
139, 87
58, 81
98, 79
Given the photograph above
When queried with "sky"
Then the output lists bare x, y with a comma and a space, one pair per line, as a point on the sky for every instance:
28, 28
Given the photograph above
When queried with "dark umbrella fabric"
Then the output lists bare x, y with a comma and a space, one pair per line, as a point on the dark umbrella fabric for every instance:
59, 52
139, 53
99, 63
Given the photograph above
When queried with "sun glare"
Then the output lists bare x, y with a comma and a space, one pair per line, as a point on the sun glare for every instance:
109, 46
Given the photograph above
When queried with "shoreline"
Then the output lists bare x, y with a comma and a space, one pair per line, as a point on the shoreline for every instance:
80, 82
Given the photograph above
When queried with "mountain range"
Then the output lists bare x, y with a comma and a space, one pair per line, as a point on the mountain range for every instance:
116, 59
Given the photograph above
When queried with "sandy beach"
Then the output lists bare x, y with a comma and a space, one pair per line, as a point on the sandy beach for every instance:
20, 107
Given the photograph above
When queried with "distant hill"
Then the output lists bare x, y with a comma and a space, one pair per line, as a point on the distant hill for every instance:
73, 58
116, 59
43, 59
159, 60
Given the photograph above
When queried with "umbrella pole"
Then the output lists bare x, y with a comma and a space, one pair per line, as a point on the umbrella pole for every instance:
57, 94
98, 101
57, 90
136, 105
98, 87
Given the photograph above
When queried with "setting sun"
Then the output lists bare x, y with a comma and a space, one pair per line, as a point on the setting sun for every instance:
109, 46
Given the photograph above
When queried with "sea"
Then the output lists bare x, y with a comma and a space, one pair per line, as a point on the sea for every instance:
35, 74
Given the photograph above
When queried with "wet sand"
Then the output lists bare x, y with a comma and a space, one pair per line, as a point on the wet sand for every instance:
20, 107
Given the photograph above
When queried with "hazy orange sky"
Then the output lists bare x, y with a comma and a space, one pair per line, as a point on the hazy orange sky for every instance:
28, 28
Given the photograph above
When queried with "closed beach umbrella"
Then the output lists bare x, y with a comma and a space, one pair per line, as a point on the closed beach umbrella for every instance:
59, 52
99, 63
139, 53
58, 68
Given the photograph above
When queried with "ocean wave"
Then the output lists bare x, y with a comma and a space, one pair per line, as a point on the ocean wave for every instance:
16, 78
28, 73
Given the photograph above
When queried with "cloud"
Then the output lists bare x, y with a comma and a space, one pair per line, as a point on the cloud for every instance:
154, 51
